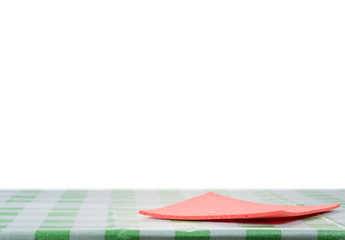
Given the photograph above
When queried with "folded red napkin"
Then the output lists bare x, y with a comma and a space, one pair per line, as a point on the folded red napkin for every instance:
214, 206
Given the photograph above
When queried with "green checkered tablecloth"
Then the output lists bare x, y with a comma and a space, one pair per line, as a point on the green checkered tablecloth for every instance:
112, 214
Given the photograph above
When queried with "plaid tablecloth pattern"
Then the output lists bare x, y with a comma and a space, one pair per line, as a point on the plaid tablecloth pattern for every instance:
113, 214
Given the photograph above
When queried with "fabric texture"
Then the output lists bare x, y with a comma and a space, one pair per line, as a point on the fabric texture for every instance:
113, 214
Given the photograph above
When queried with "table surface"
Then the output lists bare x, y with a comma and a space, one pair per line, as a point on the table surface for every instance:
113, 214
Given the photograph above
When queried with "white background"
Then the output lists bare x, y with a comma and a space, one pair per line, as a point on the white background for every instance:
172, 94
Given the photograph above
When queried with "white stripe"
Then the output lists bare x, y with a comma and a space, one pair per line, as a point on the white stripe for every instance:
151, 199
233, 234
82, 221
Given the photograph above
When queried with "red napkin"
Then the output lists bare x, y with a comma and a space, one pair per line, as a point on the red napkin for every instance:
214, 206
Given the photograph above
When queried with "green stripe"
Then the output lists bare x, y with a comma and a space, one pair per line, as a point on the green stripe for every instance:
6, 220
122, 234
202, 235
11, 208
259, 234
8, 213
52, 235
19, 201
330, 235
